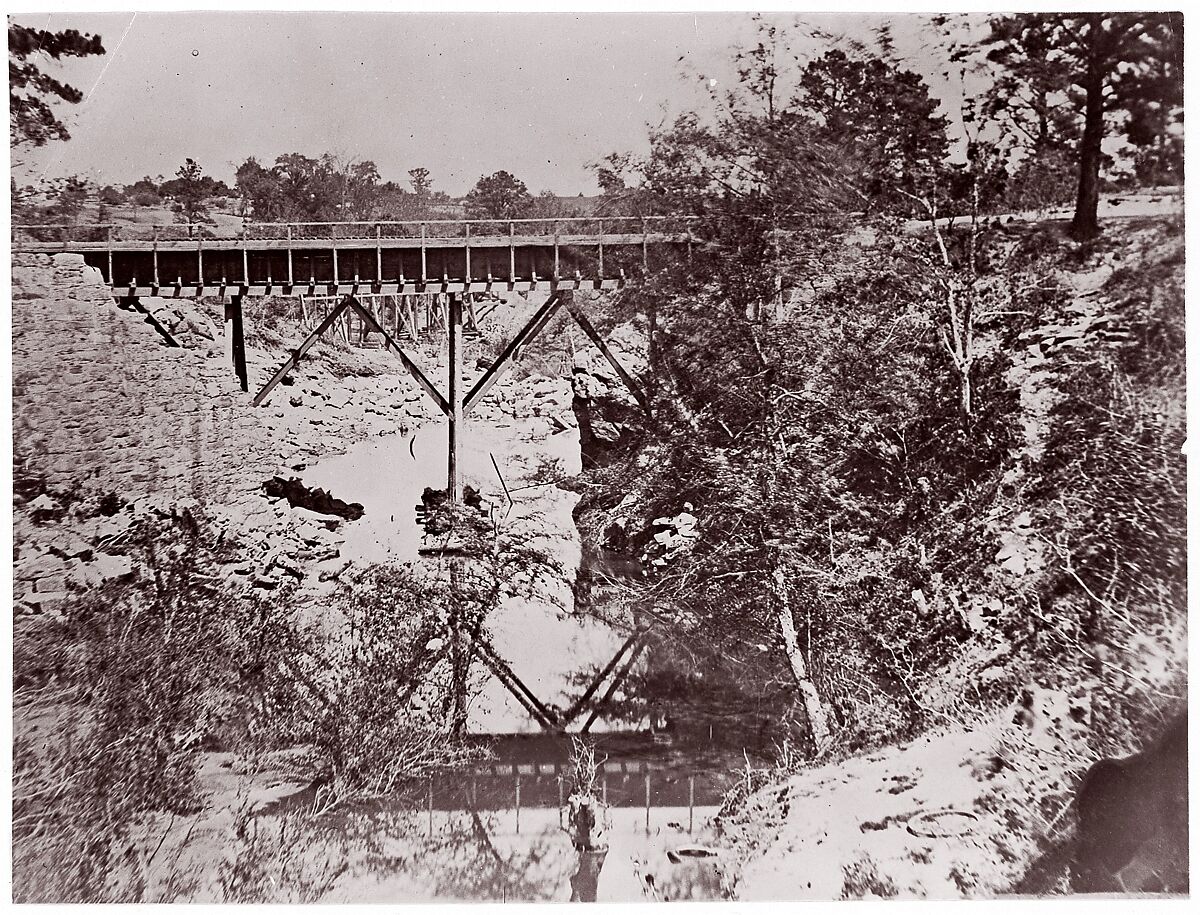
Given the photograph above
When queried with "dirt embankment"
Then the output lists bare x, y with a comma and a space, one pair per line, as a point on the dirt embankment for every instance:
982, 804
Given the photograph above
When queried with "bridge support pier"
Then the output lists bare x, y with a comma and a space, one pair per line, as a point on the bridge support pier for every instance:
454, 341
235, 340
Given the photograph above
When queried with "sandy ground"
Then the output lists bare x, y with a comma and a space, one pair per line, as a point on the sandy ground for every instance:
930, 819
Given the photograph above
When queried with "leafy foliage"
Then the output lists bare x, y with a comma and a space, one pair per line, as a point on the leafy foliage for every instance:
498, 196
191, 194
1101, 64
31, 92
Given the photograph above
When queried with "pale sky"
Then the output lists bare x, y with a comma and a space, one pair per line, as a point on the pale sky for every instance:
462, 94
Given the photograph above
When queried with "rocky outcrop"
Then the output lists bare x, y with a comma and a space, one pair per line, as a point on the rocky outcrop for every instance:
112, 427
100, 402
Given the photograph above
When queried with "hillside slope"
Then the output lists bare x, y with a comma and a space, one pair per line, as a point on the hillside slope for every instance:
1011, 596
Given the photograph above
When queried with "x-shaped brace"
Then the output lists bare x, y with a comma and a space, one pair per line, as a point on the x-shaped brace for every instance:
512, 353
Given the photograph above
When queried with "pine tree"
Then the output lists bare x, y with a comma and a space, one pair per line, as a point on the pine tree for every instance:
1109, 62
31, 93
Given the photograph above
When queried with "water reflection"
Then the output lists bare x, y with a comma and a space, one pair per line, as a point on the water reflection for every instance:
584, 881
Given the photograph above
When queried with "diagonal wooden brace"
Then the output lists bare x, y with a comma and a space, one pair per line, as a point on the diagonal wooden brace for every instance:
543, 715
577, 706
409, 363
617, 680
634, 388
523, 338
294, 359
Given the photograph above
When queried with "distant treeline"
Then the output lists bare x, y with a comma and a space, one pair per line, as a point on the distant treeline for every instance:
295, 188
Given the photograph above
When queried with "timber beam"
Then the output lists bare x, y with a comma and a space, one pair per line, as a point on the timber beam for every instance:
135, 303
409, 362
612, 688
541, 713
578, 705
634, 388
294, 359
235, 337
512, 352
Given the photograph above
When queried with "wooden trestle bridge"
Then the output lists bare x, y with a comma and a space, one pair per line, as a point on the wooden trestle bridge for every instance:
355, 264
357, 261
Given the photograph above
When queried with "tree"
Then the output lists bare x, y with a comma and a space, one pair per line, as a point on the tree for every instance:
70, 197
191, 195
881, 118
1111, 62
144, 192
498, 196
420, 181
31, 93
259, 190
360, 185
548, 205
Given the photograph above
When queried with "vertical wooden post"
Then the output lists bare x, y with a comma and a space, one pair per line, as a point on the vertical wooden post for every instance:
691, 801
454, 387
560, 801
647, 802
245, 260
431, 805
235, 339
155, 257
108, 235
378, 255
512, 255
467, 249
518, 803
601, 248
200, 265
291, 278
556, 251
424, 268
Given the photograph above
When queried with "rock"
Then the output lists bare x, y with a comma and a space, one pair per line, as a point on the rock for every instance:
44, 507
51, 584
50, 601
69, 546
104, 568
37, 565
317, 500
331, 569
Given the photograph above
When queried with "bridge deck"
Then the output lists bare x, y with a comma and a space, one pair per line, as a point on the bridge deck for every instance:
353, 258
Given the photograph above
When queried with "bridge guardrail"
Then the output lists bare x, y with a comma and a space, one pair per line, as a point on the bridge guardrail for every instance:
361, 231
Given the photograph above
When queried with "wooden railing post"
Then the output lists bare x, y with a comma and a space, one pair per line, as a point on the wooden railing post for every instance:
556, 251
467, 250
424, 267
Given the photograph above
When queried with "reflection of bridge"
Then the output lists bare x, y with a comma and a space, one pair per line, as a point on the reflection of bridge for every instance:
356, 258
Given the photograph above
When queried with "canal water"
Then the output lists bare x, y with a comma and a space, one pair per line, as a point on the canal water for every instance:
542, 639
497, 833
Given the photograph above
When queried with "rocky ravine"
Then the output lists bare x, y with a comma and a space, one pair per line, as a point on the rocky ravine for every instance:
111, 425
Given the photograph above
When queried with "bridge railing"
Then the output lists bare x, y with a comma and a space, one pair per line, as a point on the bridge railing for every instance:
363, 231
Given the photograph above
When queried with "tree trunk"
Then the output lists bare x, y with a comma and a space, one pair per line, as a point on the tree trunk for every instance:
814, 709
1086, 225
